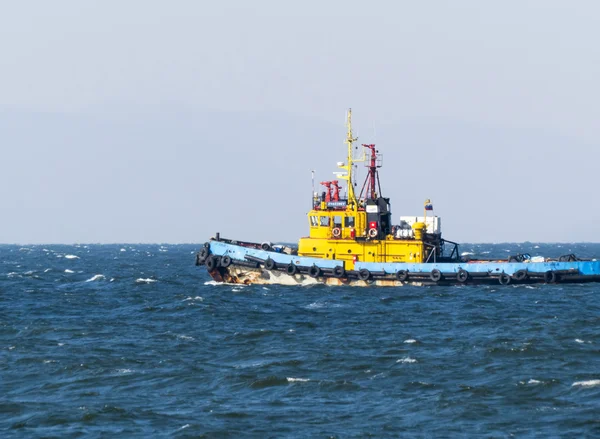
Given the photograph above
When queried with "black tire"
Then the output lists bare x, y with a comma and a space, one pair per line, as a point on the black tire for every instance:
549, 277
462, 276
436, 275
504, 279
270, 264
339, 271
291, 269
364, 274
199, 259
207, 245
402, 275
204, 252
314, 271
211, 263
226, 261
265, 246
520, 275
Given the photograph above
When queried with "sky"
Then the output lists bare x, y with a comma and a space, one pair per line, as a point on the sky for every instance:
152, 121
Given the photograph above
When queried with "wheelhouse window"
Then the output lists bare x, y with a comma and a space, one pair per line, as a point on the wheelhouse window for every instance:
349, 221
314, 221
324, 221
337, 221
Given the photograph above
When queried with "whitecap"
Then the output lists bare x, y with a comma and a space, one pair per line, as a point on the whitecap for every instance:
95, 277
47, 270
467, 253
578, 340
183, 427
148, 280
69, 271
124, 371
300, 380
532, 381
410, 341
406, 360
71, 257
194, 298
589, 383
185, 337
123, 250
213, 283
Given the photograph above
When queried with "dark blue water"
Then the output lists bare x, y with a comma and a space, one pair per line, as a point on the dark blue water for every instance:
134, 341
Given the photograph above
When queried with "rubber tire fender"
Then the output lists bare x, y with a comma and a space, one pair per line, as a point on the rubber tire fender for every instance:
291, 269
364, 274
211, 263
549, 277
504, 279
338, 271
226, 261
265, 246
314, 271
520, 275
436, 275
270, 264
402, 275
462, 276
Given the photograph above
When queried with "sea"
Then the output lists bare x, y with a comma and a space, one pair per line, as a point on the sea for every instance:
134, 340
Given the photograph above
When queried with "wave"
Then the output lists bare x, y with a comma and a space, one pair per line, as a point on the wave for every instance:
69, 271
95, 277
589, 383
148, 280
406, 360
71, 257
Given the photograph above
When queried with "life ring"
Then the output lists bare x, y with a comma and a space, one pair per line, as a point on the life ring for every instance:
226, 261
314, 271
372, 233
211, 263
291, 269
504, 279
462, 276
520, 275
270, 264
266, 246
549, 277
364, 274
336, 232
435, 275
402, 275
338, 271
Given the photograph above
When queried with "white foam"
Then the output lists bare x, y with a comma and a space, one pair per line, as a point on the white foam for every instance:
71, 257
124, 371
47, 270
410, 341
185, 337
184, 427
532, 381
299, 380
148, 280
578, 340
194, 298
69, 271
213, 283
95, 277
123, 250
12, 273
406, 360
467, 253
589, 383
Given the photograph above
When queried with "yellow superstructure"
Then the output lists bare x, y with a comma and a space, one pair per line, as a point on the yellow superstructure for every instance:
359, 228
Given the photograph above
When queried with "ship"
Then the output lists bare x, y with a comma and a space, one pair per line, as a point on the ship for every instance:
353, 240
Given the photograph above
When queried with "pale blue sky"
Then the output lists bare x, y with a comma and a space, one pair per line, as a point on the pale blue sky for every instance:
153, 121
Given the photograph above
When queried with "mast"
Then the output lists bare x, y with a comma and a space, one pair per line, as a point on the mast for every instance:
350, 139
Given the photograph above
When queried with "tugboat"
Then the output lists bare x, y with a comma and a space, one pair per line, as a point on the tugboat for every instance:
352, 241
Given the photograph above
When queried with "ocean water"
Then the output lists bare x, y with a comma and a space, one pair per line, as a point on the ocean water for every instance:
135, 341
